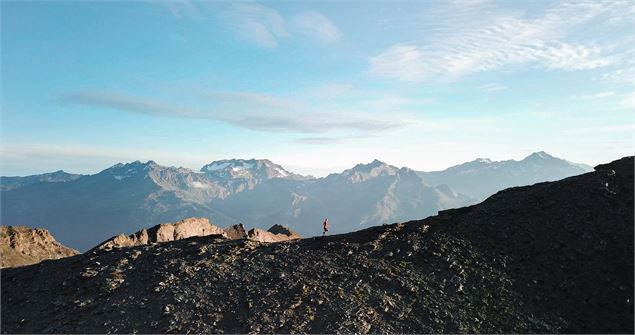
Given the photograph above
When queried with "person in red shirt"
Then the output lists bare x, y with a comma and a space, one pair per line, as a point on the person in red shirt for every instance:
325, 225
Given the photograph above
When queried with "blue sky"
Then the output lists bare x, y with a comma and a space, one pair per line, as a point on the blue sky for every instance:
314, 86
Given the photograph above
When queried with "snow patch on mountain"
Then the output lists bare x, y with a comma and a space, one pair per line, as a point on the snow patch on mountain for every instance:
198, 184
216, 166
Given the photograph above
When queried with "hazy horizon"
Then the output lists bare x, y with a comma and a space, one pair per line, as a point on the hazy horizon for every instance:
314, 87
290, 169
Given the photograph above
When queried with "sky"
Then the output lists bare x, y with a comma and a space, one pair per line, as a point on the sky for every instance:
314, 86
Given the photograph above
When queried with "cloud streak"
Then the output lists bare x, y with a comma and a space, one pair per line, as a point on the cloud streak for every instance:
316, 25
113, 100
259, 24
266, 27
595, 96
245, 110
182, 8
508, 40
326, 140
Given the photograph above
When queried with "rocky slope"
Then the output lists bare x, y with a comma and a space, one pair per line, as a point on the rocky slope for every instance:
21, 246
554, 257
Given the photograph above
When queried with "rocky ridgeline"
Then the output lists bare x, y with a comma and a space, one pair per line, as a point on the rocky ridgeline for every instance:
192, 227
21, 246
554, 257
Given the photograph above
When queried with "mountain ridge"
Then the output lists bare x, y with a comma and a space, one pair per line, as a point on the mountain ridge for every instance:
259, 193
483, 177
554, 257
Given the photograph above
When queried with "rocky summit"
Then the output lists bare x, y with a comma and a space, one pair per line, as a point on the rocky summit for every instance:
555, 257
21, 246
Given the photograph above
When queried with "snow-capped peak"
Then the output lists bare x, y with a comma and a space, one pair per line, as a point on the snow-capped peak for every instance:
122, 171
260, 169
230, 164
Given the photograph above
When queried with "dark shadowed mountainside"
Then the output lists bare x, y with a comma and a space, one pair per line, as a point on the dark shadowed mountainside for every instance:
555, 257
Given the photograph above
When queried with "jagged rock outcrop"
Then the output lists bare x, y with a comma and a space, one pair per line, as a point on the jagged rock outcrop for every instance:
236, 232
283, 230
164, 232
276, 233
555, 257
21, 246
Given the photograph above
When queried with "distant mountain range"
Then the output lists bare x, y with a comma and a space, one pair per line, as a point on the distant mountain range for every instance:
549, 258
482, 177
7, 183
83, 210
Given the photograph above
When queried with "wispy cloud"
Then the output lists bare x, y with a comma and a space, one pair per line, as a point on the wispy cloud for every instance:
317, 26
467, 3
594, 96
241, 109
627, 102
624, 75
182, 8
332, 90
494, 87
390, 103
508, 40
325, 140
318, 140
114, 100
611, 129
83, 158
259, 24
266, 27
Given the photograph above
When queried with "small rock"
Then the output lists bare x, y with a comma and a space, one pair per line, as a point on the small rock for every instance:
89, 273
